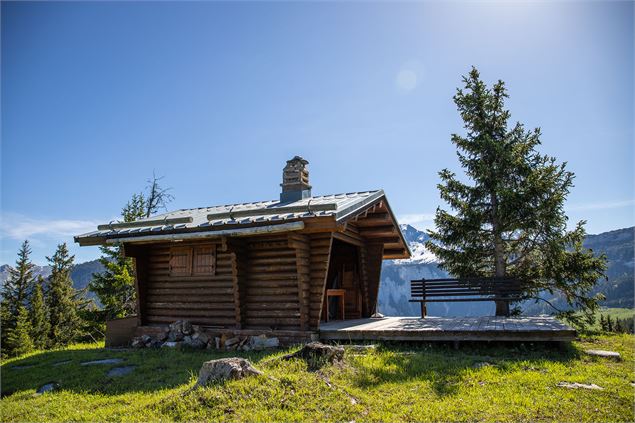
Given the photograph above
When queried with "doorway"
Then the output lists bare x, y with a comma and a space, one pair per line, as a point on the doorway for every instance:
343, 296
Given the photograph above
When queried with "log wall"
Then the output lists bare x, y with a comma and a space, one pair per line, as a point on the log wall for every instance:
205, 300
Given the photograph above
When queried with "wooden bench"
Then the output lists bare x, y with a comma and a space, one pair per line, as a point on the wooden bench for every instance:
465, 289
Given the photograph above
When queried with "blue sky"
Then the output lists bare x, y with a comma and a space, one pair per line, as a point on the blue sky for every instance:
217, 96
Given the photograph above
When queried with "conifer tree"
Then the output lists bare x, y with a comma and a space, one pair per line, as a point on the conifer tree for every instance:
17, 290
40, 326
63, 299
602, 323
114, 287
609, 323
509, 220
19, 338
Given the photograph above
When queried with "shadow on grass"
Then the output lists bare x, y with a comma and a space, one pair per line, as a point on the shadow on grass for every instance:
154, 369
445, 367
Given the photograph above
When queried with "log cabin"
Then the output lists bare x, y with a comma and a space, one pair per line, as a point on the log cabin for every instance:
277, 267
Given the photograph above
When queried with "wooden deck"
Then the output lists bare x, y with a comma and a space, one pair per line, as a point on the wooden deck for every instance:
526, 328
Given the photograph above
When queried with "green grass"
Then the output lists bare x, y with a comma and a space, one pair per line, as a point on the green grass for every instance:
618, 313
393, 383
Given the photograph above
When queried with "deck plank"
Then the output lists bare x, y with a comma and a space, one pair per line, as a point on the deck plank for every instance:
524, 328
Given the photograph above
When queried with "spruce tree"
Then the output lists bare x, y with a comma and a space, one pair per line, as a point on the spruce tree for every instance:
114, 287
19, 338
602, 323
17, 290
509, 220
63, 299
609, 323
40, 326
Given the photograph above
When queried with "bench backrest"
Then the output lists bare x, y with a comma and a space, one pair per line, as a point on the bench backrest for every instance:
493, 287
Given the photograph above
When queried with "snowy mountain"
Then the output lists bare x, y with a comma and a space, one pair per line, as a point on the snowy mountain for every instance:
396, 275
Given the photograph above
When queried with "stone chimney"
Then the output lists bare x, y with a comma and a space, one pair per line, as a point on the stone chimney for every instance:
295, 181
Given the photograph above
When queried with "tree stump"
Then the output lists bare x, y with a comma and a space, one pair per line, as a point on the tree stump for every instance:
317, 354
225, 369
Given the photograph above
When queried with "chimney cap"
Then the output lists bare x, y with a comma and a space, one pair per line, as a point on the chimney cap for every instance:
298, 159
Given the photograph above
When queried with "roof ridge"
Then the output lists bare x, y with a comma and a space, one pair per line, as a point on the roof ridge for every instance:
268, 201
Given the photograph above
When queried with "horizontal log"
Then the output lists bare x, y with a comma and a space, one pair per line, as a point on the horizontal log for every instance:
271, 268
264, 276
255, 284
184, 313
193, 296
272, 261
196, 320
224, 307
272, 321
184, 285
284, 314
257, 299
274, 306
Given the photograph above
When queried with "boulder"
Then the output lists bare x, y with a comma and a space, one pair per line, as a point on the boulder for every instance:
171, 344
47, 387
137, 343
231, 342
225, 369
317, 354
576, 385
261, 342
606, 354
193, 342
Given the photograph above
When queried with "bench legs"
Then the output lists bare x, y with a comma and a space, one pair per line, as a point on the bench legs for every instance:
424, 309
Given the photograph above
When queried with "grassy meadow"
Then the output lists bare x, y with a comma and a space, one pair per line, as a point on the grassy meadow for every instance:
392, 383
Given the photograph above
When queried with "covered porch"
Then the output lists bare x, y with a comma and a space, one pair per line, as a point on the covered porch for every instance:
486, 328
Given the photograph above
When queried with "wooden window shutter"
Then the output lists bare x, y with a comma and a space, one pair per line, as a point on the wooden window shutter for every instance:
180, 261
204, 260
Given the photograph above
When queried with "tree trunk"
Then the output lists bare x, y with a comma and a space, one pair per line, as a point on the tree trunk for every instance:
502, 307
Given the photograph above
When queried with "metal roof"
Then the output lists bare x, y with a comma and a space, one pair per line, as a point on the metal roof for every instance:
341, 206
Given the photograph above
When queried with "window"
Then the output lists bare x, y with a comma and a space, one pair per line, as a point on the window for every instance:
192, 261
204, 260
180, 261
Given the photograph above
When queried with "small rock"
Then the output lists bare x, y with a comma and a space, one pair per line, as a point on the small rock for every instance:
171, 344
48, 387
232, 341
120, 371
186, 327
217, 342
261, 342
27, 366
104, 361
603, 353
579, 386
193, 342
202, 337
224, 369
482, 364
137, 343
146, 338
161, 336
